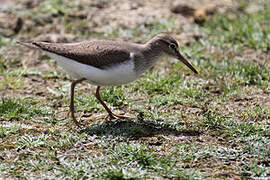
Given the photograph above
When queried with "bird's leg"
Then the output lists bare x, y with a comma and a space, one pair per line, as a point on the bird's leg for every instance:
71, 106
111, 114
103, 103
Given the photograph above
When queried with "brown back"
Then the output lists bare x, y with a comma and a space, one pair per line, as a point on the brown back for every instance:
97, 53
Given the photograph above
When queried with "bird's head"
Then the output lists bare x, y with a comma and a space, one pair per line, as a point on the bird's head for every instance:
169, 46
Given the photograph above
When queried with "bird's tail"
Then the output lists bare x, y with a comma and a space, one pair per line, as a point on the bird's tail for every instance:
28, 44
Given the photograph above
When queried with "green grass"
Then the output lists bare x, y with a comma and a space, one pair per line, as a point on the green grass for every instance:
17, 109
240, 30
113, 96
211, 126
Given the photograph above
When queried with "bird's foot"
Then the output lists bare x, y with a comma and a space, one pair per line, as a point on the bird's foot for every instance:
71, 126
73, 118
68, 113
116, 116
76, 122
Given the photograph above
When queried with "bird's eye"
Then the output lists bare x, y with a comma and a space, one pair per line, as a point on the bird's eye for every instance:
172, 46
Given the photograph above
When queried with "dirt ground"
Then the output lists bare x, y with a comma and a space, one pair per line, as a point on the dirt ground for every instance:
135, 21
103, 17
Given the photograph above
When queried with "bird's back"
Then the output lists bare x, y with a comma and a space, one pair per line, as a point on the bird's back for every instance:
96, 53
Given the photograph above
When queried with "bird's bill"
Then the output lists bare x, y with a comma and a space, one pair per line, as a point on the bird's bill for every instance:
181, 58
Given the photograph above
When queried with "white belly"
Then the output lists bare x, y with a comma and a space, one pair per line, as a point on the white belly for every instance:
120, 74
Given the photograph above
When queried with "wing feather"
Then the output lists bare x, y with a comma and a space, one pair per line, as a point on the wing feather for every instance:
97, 53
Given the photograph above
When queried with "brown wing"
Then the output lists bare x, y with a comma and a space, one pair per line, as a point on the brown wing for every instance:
97, 53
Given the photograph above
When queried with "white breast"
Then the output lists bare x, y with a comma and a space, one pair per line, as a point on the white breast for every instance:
116, 75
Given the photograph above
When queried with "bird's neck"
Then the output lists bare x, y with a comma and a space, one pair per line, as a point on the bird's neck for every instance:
150, 54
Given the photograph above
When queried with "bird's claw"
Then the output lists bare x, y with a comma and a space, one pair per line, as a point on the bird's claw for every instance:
116, 116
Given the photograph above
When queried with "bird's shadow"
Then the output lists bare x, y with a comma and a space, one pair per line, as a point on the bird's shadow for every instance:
135, 129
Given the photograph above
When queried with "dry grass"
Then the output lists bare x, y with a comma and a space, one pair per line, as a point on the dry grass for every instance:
215, 125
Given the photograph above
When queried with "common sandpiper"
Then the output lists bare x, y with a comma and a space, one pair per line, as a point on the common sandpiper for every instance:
108, 62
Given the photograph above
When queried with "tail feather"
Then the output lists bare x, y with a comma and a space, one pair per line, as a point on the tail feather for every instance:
28, 44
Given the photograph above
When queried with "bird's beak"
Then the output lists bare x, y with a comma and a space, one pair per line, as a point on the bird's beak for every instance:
181, 58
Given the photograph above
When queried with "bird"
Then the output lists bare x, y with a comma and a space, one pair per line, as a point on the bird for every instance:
108, 62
